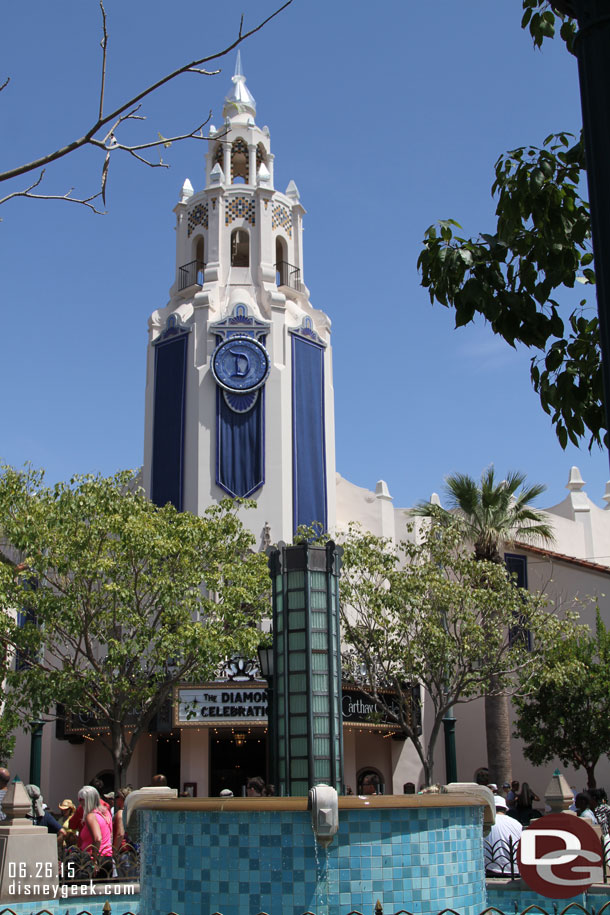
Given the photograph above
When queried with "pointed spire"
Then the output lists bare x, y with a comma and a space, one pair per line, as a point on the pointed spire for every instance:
292, 191
575, 482
187, 191
264, 175
239, 100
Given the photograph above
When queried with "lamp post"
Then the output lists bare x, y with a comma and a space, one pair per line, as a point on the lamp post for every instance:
265, 663
450, 757
36, 750
591, 48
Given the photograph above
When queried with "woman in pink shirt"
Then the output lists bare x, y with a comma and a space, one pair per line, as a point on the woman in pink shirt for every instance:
95, 835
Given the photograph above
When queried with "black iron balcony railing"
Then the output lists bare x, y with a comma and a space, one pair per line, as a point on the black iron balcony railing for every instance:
191, 274
78, 867
287, 275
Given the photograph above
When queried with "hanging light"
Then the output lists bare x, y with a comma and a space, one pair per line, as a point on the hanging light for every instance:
265, 661
240, 738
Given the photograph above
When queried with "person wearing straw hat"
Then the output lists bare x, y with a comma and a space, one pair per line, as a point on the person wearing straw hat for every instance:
68, 808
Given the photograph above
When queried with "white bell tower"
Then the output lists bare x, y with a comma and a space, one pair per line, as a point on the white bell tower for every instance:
239, 395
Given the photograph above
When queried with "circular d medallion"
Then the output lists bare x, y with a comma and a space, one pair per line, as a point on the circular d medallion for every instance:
240, 364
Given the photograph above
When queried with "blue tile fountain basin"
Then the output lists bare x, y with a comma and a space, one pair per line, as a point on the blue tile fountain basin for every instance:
244, 856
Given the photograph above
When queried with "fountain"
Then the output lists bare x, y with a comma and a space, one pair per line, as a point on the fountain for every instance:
243, 856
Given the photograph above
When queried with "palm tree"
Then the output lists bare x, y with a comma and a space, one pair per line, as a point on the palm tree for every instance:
494, 514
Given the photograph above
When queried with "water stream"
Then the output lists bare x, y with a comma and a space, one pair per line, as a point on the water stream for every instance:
322, 890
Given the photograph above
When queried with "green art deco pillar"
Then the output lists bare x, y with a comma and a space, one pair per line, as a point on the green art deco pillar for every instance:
306, 731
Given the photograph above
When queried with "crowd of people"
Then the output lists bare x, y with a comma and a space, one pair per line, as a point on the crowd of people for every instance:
515, 810
93, 824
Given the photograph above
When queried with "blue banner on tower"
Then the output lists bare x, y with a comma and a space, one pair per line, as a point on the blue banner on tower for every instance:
240, 468
308, 433
169, 404
240, 365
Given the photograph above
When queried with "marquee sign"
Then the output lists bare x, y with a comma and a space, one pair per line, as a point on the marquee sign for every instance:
360, 710
233, 703
239, 703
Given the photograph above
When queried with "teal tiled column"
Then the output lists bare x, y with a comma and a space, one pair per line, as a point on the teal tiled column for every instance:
307, 739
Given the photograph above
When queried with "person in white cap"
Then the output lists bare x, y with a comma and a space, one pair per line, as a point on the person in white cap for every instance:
502, 841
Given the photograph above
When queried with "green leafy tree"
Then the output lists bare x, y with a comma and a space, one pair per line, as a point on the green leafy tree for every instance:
514, 274
490, 515
542, 17
566, 712
429, 613
122, 599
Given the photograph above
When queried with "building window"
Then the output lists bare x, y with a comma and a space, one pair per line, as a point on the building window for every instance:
261, 156
282, 266
240, 166
370, 781
200, 260
219, 158
517, 567
23, 659
240, 248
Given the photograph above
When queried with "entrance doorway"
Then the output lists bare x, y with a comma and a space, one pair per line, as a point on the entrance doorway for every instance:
168, 758
234, 758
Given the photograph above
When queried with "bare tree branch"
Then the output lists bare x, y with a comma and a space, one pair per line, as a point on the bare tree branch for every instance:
104, 47
5, 83
84, 201
103, 120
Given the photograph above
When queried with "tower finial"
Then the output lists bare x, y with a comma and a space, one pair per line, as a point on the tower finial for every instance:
240, 100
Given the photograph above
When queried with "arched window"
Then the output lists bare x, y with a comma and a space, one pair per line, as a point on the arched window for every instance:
370, 781
281, 262
261, 156
239, 162
199, 260
240, 248
219, 157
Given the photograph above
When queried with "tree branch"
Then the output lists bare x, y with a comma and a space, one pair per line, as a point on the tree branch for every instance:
84, 201
103, 120
104, 46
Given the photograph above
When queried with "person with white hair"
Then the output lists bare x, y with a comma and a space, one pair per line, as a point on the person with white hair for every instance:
95, 835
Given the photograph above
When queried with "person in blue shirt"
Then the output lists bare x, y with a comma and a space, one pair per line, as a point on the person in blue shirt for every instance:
40, 816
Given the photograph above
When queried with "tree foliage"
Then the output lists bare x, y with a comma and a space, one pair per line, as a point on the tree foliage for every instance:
513, 275
491, 513
542, 18
566, 712
429, 613
119, 599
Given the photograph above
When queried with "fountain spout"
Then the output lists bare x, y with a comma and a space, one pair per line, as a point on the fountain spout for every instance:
324, 806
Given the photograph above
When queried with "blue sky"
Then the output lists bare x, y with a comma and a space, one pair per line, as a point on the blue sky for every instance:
388, 116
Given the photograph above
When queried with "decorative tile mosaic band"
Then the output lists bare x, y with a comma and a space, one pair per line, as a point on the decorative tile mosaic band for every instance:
198, 216
240, 208
281, 219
